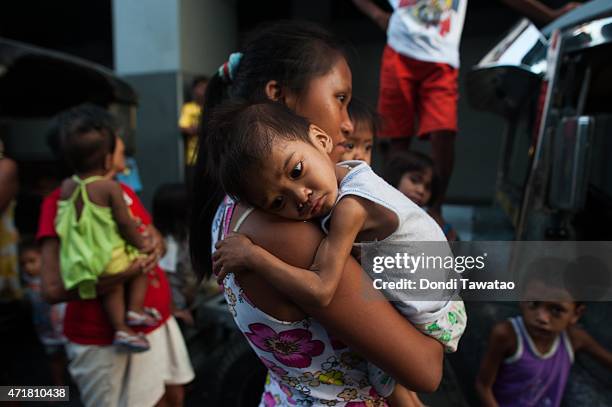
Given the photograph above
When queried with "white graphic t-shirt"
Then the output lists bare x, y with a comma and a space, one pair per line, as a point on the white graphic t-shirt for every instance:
427, 30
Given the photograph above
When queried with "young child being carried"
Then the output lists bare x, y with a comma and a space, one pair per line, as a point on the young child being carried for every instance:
278, 162
98, 236
529, 357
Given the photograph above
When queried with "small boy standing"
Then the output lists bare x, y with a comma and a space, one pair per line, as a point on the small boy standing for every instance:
529, 357
48, 319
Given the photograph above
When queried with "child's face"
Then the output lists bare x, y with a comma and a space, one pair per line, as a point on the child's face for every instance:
29, 260
416, 185
546, 319
118, 158
358, 145
298, 181
199, 90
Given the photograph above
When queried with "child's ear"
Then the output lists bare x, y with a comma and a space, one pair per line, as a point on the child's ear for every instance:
320, 138
108, 162
578, 312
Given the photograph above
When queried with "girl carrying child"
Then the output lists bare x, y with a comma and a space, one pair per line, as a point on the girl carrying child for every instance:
279, 163
98, 235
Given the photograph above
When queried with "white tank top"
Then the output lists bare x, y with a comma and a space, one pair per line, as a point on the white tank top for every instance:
414, 223
414, 226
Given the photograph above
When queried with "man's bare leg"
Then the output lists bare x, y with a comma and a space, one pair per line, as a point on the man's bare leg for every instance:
443, 157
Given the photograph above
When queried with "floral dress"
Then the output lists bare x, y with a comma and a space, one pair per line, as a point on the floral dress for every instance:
306, 366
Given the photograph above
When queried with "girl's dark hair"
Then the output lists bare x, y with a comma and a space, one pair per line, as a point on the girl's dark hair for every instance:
411, 161
361, 112
171, 211
291, 53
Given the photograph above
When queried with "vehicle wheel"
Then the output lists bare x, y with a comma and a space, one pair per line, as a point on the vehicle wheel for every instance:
239, 376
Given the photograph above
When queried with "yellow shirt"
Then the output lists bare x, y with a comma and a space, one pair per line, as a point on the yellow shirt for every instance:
190, 117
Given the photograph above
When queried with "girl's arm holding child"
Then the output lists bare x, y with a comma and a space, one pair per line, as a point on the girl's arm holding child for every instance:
237, 252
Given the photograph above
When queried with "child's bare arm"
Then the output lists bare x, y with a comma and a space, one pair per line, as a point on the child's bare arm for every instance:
582, 341
128, 228
305, 288
370, 9
502, 343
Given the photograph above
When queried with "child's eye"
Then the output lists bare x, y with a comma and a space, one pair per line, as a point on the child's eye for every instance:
368, 147
277, 203
556, 311
349, 145
297, 170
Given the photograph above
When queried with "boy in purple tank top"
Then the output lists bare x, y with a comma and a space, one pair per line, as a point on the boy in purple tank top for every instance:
529, 357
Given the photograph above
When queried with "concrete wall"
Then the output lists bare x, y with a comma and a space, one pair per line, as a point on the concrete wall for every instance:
208, 34
146, 36
159, 45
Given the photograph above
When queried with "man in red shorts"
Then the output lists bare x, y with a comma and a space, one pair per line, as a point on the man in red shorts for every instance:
418, 79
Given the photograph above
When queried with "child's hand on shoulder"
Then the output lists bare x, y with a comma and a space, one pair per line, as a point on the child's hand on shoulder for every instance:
234, 253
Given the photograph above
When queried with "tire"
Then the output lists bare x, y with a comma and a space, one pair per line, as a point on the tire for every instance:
234, 377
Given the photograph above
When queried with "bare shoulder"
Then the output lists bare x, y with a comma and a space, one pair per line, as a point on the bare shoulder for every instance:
8, 167
67, 188
104, 187
104, 192
578, 337
291, 241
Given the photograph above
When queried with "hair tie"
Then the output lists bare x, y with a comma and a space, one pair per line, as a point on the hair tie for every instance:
227, 71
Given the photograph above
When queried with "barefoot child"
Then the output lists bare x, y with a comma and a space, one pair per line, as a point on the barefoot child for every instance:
277, 161
98, 236
529, 357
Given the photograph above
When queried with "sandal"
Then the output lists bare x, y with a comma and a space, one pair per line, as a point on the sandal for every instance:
133, 318
154, 313
131, 343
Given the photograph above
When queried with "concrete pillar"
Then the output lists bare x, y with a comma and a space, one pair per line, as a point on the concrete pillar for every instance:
159, 45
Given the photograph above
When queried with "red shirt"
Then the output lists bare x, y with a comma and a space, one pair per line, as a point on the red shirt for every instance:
86, 322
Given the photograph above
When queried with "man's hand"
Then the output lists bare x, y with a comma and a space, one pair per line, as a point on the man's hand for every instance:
233, 254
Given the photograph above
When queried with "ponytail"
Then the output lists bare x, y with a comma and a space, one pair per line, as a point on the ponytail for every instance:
206, 191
